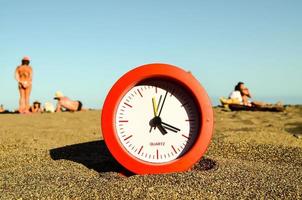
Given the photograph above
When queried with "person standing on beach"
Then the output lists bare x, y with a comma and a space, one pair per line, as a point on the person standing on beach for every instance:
23, 75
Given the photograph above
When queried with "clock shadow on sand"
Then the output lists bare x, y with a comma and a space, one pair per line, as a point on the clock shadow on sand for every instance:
95, 155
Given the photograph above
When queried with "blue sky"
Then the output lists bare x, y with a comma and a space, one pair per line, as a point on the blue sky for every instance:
83, 47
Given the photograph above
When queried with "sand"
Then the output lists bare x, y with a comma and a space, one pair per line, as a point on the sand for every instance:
62, 156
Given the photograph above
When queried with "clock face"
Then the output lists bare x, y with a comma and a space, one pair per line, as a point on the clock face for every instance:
157, 121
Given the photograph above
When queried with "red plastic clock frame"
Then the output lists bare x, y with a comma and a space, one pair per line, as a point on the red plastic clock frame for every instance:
129, 80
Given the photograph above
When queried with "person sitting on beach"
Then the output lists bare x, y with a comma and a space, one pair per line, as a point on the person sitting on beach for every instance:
64, 103
36, 107
236, 96
241, 94
23, 75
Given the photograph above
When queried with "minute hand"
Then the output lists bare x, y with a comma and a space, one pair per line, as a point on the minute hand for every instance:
162, 105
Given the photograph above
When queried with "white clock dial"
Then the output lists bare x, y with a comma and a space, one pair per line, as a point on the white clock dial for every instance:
157, 121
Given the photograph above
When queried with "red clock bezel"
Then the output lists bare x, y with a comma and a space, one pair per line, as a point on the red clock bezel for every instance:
129, 80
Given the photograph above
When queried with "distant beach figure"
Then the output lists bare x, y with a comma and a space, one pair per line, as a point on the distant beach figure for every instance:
36, 107
1, 108
23, 75
49, 107
66, 104
241, 96
240, 99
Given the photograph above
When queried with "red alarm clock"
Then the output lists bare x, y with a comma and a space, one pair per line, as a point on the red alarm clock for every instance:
157, 118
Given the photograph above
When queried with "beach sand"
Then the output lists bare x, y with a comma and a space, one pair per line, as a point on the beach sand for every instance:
62, 156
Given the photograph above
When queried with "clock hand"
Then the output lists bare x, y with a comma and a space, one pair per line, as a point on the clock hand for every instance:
161, 129
156, 122
170, 127
158, 105
151, 128
155, 109
163, 103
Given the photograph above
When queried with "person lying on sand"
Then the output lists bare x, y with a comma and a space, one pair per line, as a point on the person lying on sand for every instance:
64, 103
36, 107
242, 96
23, 75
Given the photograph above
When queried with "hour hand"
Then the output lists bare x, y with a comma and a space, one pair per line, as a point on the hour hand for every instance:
161, 129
